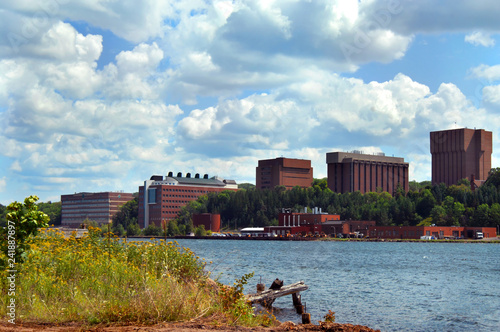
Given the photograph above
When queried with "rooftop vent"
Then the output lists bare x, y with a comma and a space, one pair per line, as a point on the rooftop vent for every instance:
197, 176
205, 176
170, 174
179, 175
188, 175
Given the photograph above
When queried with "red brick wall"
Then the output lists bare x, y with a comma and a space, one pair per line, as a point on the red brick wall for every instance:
211, 221
284, 171
459, 153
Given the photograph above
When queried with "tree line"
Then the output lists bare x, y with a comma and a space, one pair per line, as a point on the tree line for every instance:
423, 204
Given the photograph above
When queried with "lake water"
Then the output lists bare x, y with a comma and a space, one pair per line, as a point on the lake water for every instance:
389, 286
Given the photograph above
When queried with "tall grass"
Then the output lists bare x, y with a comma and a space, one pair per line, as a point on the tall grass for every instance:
103, 280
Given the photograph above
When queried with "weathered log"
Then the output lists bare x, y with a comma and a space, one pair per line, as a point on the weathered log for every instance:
270, 295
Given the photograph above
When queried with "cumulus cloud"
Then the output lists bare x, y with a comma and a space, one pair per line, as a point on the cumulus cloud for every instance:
479, 38
490, 73
214, 86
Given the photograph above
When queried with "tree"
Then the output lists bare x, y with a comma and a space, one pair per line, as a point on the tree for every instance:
425, 203
200, 231
133, 229
493, 177
172, 228
152, 230
53, 210
438, 215
23, 222
127, 215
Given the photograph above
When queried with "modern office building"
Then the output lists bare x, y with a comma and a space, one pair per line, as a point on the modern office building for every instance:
161, 198
99, 207
284, 172
461, 153
355, 171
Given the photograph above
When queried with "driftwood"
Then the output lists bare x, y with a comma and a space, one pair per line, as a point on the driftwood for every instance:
268, 296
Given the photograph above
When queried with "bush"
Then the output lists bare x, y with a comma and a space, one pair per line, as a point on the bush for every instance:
152, 230
133, 229
200, 231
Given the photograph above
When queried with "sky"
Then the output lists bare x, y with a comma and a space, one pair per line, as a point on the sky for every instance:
98, 95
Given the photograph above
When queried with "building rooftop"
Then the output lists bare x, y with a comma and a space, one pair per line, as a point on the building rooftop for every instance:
196, 181
340, 157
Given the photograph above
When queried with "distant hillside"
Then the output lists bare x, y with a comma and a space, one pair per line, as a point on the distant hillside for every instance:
246, 186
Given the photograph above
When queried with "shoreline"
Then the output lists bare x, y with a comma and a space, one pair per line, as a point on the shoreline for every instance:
320, 239
190, 326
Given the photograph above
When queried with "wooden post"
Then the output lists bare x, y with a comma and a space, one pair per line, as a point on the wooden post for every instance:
297, 303
306, 318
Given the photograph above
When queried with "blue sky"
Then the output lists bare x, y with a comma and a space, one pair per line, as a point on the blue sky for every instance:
98, 95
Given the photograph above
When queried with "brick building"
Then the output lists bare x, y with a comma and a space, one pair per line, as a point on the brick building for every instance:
161, 198
438, 232
300, 223
284, 172
293, 223
99, 207
211, 221
460, 153
349, 172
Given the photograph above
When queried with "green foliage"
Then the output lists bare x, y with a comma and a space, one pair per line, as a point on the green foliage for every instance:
246, 186
172, 228
23, 222
53, 210
233, 300
152, 230
3, 212
133, 229
200, 231
493, 177
98, 280
127, 215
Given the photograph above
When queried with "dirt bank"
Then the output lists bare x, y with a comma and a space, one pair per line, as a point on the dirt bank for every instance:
181, 327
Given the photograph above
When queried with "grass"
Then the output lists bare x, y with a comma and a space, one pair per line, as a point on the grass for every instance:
95, 280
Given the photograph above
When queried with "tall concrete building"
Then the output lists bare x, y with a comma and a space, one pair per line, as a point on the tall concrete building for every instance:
284, 172
461, 153
99, 207
161, 198
349, 172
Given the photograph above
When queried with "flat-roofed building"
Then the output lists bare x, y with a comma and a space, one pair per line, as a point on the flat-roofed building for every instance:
461, 153
99, 207
284, 172
355, 171
161, 198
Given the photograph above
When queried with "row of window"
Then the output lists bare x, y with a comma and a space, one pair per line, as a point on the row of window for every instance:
187, 196
85, 200
186, 190
74, 206
83, 215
